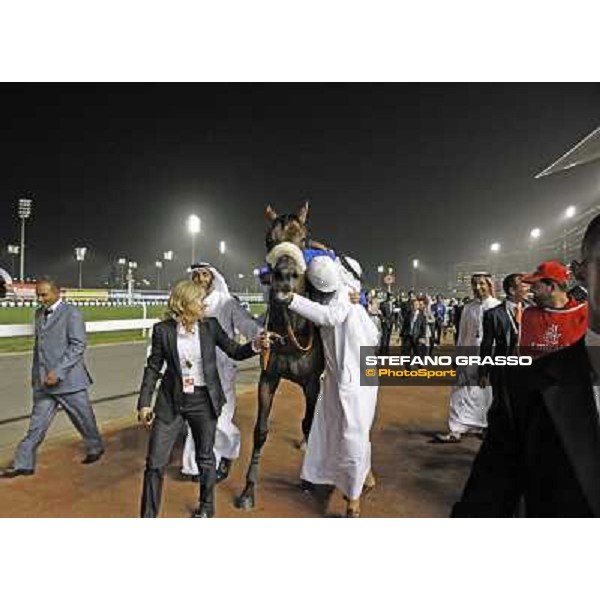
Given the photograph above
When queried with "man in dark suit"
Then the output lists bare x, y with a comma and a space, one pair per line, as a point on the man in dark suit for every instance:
414, 331
405, 307
190, 391
543, 440
387, 322
501, 327
59, 378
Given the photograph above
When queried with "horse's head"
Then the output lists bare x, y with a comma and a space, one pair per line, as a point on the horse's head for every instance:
287, 277
287, 228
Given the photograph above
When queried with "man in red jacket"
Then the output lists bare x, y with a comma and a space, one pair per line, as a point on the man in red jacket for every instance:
557, 320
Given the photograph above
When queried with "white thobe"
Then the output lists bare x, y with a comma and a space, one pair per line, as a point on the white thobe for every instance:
339, 447
469, 404
231, 317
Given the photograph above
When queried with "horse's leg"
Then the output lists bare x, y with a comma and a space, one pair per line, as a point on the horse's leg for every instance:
311, 393
267, 386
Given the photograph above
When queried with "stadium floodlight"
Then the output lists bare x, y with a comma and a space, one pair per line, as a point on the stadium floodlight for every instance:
24, 207
193, 225
380, 269
167, 257
534, 235
415, 267
158, 264
222, 247
122, 262
13, 250
570, 212
80, 257
495, 247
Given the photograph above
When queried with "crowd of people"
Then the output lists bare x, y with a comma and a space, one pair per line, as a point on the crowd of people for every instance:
421, 322
539, 425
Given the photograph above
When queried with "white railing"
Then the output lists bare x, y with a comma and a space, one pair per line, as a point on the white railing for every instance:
91, 327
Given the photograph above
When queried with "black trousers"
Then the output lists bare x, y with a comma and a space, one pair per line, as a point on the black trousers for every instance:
386, 332
199, 413
412, 348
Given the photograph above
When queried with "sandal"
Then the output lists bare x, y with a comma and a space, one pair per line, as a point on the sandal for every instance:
353, 509
447, 438
370, 483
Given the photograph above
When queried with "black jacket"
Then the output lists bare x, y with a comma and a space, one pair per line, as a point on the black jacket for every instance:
419, 330
500, 336
387, 313
542, 444
164, 350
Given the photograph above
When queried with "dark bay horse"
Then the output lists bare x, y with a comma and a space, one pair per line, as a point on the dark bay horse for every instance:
298, 354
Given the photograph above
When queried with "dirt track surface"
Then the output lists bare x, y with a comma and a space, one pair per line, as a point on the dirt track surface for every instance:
415, 478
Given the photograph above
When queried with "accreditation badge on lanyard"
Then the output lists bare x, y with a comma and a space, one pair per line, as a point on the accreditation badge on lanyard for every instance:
188, 378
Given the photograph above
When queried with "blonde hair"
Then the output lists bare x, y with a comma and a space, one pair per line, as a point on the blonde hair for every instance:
186, 303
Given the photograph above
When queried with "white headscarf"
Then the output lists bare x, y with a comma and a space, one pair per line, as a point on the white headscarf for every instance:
218, 293
7, 278
348, 278
219, 283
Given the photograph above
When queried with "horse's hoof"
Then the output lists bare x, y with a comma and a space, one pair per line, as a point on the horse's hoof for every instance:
244, 502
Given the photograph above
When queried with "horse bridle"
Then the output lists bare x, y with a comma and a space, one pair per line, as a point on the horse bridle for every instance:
266, 354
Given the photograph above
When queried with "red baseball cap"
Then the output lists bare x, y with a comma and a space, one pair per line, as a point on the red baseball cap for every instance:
549, 270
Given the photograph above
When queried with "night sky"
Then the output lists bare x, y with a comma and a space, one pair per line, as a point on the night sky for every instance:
393, 172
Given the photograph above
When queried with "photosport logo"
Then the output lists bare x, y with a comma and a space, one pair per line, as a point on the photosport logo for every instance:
454, 366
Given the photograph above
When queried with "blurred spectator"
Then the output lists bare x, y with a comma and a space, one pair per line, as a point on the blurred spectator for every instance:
387, 322
414, 331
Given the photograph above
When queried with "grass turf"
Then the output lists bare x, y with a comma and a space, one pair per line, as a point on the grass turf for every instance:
15, 316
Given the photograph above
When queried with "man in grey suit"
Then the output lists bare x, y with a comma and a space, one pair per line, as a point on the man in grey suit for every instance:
59, 378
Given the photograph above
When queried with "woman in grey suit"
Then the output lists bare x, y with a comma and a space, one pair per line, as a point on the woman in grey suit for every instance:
190, 391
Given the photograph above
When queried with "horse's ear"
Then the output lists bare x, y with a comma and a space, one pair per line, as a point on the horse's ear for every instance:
303, 213
270, 213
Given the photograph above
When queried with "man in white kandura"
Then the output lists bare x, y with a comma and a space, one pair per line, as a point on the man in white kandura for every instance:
339, 446
232, 317
469, 403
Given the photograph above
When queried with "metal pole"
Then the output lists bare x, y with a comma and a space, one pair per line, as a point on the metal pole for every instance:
414, 279
193, 248
157, 278
565, 246
22, 249
80, 273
